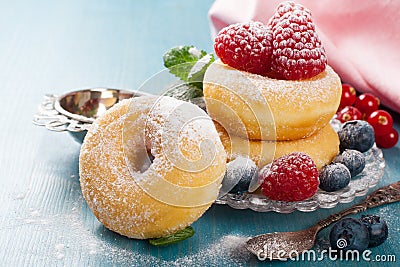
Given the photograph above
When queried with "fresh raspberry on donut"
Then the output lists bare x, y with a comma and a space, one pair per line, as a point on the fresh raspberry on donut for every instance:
293, 177
245, 46
283, 10
297, 50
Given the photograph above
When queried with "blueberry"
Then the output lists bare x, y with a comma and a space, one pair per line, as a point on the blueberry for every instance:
378, 230
333, 177
354, 160
238, 176
349, 234
357, 134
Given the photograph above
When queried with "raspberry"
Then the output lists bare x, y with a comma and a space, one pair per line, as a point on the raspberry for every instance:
283, 9
293, 177
245, 46
297, 50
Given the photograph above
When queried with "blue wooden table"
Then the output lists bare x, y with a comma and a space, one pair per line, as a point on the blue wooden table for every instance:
56, 46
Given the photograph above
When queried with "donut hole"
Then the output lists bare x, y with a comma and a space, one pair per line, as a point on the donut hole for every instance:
147, 161
139, 154
143, 160
151, 157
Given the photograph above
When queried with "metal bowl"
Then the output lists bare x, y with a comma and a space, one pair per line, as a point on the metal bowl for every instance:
76, 111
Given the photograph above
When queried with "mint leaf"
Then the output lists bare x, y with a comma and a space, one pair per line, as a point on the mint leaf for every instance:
188, 63
182, 54
183, 91
196, 74
173, 238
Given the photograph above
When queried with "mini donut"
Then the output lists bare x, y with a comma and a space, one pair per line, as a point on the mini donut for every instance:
262, 108
322, 147
151, 166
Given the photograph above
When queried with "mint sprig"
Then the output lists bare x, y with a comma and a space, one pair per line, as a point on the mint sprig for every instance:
183, 91
188, 64
173, 238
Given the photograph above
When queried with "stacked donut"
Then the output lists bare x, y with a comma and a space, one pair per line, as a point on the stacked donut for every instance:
266, 118
272, 92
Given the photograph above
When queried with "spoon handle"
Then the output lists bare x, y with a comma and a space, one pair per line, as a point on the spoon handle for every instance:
381, 196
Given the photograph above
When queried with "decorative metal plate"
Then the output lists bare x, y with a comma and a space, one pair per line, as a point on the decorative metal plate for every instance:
76, 111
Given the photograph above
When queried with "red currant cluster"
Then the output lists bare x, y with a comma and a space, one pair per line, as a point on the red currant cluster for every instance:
365, 107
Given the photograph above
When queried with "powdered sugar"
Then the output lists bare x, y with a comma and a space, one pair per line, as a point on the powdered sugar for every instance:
229, 250
179, 136
82, 242
59, 249
270, 109
199, 65
134, 194
261, 89
194, 51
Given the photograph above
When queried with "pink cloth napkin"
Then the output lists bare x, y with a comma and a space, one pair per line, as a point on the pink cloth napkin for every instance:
361, 38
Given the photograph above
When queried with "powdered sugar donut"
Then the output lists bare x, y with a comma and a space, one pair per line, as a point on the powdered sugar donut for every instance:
151, 166
261, 108
322, 147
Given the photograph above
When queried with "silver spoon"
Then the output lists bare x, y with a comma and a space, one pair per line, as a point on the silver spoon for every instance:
284, 245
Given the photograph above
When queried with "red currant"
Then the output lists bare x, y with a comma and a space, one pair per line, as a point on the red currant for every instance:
387, 140
381, 121
348, 96
349, 113
366, 104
